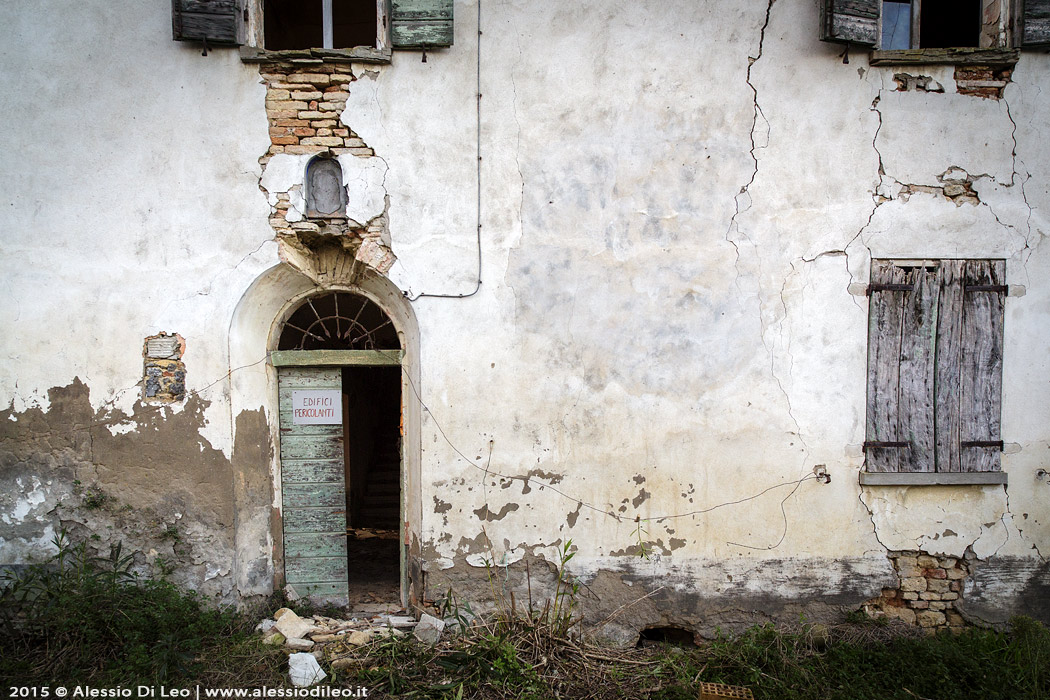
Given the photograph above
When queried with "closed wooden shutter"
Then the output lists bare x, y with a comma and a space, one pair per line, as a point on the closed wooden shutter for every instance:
850, 21
1035, 24
218, 22
416, 24
314, 492
981, 366
935, 339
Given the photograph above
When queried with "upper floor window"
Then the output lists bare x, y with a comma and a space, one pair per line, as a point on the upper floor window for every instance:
931, 24
328, 24
938, 25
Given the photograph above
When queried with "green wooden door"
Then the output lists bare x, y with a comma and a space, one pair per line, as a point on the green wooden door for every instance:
312, 482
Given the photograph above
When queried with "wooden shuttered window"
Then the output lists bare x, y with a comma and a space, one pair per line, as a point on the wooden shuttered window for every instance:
421, 24
850, 21
935, 348
1035, 24
216, 22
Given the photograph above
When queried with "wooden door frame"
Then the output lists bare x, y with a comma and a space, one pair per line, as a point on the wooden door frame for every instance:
396, 307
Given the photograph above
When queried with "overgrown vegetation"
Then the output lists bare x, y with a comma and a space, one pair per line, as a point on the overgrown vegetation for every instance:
81, 619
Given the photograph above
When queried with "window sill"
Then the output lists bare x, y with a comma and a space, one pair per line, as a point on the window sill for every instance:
932, 478
358, 54
959, 57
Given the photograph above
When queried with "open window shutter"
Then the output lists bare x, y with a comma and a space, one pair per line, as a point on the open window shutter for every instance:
981, 366
216, 22
901, 334
850, 21
313, 492
419, 24
1035, 24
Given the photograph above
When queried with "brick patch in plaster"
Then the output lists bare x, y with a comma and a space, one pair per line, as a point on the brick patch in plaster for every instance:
982, 81
304, 107
928, 590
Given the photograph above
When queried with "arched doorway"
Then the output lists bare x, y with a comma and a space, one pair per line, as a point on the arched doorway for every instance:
339, 373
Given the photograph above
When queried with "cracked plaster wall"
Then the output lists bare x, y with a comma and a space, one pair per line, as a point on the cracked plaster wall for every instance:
675, 204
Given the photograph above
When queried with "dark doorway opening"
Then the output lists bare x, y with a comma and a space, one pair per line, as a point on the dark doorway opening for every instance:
372, 456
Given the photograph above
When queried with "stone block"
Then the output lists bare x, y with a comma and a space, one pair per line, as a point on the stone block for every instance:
313, 114
917, 583
359, 637
949, 596
291, 625
306, 95
429, 628
955, 574
299, 644
937, 585
312, 78
938, 605
936, 573
331, 106
948, 562
910, 595
322, 141
285, 104
925, 561
903, 614
919, 604
275, 95
930, 618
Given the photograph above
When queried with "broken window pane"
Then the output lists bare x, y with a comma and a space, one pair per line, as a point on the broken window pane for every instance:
896, 24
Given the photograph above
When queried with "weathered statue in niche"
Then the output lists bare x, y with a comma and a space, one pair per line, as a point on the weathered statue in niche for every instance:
325, 194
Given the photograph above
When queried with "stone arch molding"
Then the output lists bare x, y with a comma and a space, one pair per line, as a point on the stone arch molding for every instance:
255, 330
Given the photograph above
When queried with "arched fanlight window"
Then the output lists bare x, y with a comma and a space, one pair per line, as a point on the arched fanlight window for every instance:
325, 194
338, 321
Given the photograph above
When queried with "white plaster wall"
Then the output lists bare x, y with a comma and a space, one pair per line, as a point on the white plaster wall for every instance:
674, 204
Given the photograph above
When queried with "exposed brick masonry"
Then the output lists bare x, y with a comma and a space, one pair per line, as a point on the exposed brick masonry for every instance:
304, 106
928, 591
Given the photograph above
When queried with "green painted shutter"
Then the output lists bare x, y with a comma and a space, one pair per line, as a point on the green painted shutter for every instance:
850, 21
218, 22
1035, 24
313, 492
418, 24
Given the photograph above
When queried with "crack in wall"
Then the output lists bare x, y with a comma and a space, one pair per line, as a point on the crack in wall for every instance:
757, 110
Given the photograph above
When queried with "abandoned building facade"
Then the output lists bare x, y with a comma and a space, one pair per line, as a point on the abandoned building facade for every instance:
743, 304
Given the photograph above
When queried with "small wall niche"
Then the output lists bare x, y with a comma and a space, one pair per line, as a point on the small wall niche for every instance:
325, 193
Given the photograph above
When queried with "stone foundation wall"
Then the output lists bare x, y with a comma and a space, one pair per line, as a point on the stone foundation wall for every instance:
930, 587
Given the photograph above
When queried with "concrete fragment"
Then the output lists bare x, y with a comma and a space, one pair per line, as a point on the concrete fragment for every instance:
299, 644
324, 638
304, 671
429, 628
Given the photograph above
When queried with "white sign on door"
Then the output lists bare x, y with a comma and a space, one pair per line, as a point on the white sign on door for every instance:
317, 407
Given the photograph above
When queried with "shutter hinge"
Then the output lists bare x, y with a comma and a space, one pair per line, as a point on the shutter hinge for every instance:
982, 443
869, 444
886, 287
1000, 288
